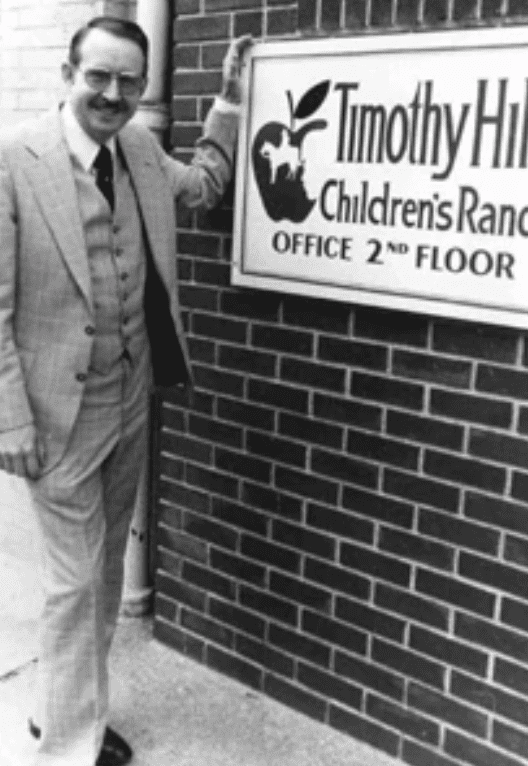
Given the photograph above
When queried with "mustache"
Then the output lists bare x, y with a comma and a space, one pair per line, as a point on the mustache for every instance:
100, 102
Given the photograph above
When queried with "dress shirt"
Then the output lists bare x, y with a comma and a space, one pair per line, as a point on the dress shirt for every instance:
81, 146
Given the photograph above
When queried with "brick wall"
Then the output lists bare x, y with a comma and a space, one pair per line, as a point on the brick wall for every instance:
340, 508
34, 35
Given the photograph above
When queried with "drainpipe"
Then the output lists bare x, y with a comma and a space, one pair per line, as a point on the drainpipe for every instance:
154, 17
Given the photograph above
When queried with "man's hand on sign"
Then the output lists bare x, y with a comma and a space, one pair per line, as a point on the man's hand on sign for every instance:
231, 70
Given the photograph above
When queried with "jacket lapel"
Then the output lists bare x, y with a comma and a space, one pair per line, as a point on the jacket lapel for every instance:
152, 198
52, 179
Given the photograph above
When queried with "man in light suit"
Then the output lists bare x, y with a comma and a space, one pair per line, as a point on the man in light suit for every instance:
89, 318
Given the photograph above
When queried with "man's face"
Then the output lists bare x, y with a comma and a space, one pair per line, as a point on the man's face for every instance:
103, 114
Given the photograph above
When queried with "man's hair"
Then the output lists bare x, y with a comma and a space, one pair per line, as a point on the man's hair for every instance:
128, 30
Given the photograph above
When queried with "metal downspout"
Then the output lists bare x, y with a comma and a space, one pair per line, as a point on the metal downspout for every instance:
154, 16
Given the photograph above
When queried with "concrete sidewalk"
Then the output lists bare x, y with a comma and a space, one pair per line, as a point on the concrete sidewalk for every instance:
174, 711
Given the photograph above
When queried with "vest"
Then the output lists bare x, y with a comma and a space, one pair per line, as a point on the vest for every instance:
117, 263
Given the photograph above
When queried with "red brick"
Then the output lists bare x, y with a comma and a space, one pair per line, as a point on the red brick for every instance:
197, 83
174, 636
364, 730
307, 14
337, 577
502, 381
490, 697
475, 752
458, 532
391, 326
448, 650
247, 360
453, 591
408, 663
353, 353
475, 409
417, 755
334, 632
431, 368
202, 27
343, 468
282, 22
407, 395
425, 430
330, 685
275, 448
496, 638
405, 720
208, 629
369, 619
214, 6
331, 15
415, 607
207, 580
416, 547
236, 617
312, 597
181, 592
237, 464
492, 573
495, 344
249, 23
292, 695
263, 654
235, 667
267, 552
511, 739
313, 375
356, 14
368, 675
473, 473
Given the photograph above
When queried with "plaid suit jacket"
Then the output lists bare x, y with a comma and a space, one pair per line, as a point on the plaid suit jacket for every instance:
45, 291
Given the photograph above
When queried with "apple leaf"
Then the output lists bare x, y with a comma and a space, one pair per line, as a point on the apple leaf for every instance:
312, 100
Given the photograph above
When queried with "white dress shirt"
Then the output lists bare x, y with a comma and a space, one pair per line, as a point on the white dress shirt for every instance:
80, 144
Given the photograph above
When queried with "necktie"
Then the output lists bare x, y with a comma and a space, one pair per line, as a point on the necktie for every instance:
104, 175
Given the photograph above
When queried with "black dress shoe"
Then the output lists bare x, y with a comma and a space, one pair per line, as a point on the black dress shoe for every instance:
115, 751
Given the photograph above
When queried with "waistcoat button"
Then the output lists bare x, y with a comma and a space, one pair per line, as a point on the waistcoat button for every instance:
89, 330
81, 377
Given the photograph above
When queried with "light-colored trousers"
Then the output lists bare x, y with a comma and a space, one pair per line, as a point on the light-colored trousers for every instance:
84, 507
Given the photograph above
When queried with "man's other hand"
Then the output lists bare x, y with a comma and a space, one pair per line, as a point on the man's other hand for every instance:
231, 86
21, 452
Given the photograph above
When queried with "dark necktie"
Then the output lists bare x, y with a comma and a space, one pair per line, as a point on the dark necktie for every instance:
104, 174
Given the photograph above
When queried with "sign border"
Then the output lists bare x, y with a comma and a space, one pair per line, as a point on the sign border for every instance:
398, 42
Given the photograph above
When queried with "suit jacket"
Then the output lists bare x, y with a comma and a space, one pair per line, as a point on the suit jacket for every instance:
45, 291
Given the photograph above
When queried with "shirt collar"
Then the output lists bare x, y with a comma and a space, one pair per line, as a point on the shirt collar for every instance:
80, 144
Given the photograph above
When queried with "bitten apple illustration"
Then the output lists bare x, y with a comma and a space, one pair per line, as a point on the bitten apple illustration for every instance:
278, 162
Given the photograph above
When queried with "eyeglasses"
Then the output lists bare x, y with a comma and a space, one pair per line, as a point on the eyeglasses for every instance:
100, 79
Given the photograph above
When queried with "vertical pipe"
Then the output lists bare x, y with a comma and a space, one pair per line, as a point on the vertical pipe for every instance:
154, 16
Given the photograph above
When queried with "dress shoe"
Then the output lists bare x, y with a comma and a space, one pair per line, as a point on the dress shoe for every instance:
115, 751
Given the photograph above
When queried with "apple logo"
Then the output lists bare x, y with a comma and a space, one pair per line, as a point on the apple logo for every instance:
278, 162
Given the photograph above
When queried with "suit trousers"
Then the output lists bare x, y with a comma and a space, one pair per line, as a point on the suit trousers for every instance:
84, 507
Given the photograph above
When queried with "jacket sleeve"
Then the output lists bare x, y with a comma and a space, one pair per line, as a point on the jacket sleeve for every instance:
202, 182
15, 410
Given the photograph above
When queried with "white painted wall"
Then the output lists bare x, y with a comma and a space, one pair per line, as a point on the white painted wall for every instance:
34, 37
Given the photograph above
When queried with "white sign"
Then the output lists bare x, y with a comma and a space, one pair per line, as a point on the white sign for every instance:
390, 171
